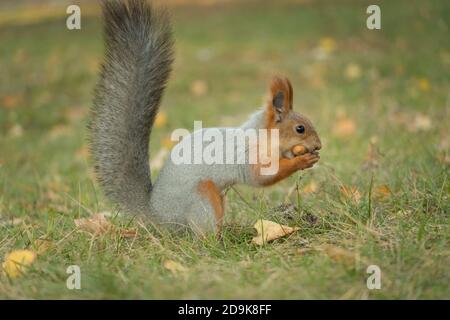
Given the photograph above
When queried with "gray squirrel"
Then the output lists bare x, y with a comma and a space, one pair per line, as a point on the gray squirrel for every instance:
137, 63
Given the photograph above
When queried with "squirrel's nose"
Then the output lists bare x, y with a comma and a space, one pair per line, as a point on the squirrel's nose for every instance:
318, 146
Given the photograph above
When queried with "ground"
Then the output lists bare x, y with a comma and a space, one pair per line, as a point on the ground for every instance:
379, 195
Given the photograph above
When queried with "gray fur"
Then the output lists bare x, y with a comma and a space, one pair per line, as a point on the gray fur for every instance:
137, 64
175, 199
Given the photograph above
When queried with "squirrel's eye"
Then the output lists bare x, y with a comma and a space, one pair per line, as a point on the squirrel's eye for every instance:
300, 129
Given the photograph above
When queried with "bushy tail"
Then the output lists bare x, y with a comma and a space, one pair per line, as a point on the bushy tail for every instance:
133, 76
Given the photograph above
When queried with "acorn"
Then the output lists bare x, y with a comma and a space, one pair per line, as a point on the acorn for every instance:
299, 150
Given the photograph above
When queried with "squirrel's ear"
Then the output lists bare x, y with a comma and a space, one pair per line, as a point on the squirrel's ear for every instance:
280, 100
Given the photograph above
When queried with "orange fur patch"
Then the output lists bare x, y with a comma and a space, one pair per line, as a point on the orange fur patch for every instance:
209, 190
286, 168
278, 85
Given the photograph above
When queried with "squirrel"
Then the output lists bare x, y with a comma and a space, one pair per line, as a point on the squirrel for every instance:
137, 64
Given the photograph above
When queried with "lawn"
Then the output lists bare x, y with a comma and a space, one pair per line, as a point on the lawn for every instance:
379, 195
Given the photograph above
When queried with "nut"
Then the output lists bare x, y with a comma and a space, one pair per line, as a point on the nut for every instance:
299, 150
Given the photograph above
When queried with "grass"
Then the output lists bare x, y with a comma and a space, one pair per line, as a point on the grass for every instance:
397, 100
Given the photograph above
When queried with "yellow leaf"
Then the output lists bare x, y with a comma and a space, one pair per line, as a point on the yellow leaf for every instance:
327, 44
161, 120
269, 230
174, 267
382, 192
352, 71
199, 88
424, 84
351, 193
17, 262
96, 225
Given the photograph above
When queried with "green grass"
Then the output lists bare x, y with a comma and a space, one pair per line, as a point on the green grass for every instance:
48, 74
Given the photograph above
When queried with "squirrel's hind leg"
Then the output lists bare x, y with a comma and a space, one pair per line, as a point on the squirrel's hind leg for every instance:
209, 208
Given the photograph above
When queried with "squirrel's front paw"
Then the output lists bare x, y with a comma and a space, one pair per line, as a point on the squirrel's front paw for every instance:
306, 161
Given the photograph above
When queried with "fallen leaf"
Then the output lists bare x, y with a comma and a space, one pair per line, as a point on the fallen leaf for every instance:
382, 192
327, 44
174, 267
11, 222
95, 225
199, 88
83, 153
311, 187
269, 230
16, 131
98, 224
344, 127
127, 233
352, 71
424, 84
10, 101
75, 113
161, 120
60, 130
338, 254
444, 159
16, 262
421, 122
302, 251
351, 193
